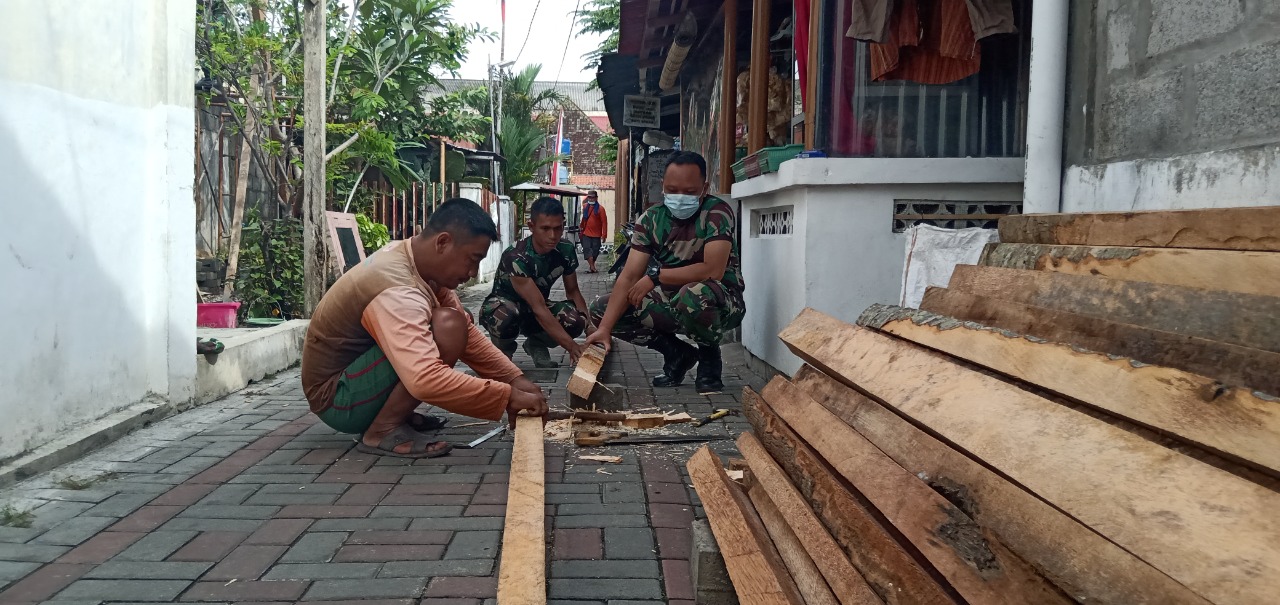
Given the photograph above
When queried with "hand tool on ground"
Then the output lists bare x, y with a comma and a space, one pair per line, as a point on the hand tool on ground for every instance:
602, 438
483, 438
718, 414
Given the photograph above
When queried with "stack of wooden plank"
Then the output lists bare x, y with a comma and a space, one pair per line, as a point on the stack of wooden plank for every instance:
1087, 416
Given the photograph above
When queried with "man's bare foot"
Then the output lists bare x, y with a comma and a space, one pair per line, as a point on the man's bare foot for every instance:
403, 442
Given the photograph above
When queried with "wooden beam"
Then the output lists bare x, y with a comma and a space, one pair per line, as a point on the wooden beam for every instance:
1230, 270
522, 578
976, 564
811, 82
755, 567
583, 379
1220, 228
727, 134
1241, 425
1071, 555
870, 546
1247, 320
758, 97
839, 573
813, 588
1205, 528
1234, 365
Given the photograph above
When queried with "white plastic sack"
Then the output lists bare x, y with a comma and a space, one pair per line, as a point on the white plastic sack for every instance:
933, 253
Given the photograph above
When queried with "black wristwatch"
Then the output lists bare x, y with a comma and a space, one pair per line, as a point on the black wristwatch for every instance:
653, 271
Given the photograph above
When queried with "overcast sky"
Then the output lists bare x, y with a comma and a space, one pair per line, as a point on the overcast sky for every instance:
551, 28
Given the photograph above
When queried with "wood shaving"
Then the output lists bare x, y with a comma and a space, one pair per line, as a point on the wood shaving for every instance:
608, 459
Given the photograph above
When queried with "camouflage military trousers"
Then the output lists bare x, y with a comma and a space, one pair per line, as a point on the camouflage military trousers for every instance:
703, 311
506, 319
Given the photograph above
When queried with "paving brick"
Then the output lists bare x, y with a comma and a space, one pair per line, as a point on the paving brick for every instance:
671, 515
629, 508
366, 494
74, 531
147, 518
202, 524
606, 589
125, 590
629, 543
285, 457
587, 543
470, 479
359, 524
605, 569
284, 590
400, 537
246, 563
229, 495
553, 499
220, 511
576, 488
18, 535
667, 493
16, 570
43, 583
676, 579
303, 488
458, 523
156, 546
367, 589
310, 511
485, 510
118, 505
150, 570
101, 547
332, 477
401, 498
231, 466
209, 546
169, 455
184, 495
314, 547
285, 469
562, 521
472, 587
474, 545
278, 531
623, 493
272, 478
322, 571
389, 552
674, 543
431, 569
278, 499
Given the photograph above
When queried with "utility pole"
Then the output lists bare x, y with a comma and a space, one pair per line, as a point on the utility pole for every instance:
315, 253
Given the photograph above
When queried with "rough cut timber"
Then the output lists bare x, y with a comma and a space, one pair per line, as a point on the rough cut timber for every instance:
522, 579
584, 376
1247, 320
1232, 364
1069, 554
975, 563
758, 573
1219, 229
847, 584
1230, 270
1199, 410
813, 588
1206, 528
895, 575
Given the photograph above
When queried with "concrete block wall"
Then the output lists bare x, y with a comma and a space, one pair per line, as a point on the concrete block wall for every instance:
1172, 104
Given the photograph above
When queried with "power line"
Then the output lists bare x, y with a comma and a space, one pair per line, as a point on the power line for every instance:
530, 32
568, 38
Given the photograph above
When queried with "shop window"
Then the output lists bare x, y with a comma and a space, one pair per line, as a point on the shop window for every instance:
930, 91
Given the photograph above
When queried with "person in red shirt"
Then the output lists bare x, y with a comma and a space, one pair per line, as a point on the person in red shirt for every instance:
595, 225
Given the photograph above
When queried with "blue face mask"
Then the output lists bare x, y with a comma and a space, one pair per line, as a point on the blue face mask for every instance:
682, 205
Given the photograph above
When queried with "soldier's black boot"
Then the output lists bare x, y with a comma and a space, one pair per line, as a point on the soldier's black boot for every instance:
507, 346
677, 359
540, 351
710, 365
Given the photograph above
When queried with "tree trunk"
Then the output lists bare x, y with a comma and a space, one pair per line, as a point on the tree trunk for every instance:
314, 247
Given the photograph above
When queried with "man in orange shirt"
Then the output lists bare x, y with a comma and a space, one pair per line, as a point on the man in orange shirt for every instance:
595, 226
386, 336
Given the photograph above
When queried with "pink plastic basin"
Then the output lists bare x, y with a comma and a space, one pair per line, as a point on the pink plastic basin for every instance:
217, 315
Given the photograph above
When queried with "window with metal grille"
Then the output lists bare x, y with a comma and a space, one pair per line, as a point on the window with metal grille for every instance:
772, 222
950, 215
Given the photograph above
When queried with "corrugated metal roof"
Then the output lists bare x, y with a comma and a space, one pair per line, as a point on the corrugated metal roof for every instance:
578, 93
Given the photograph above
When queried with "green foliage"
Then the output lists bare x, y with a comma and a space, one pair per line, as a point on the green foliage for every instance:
269, 276
12, 517
607, 148
601, 17
373, 235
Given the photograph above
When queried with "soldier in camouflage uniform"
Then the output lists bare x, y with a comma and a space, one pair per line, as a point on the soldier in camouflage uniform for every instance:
683, 276
518, 304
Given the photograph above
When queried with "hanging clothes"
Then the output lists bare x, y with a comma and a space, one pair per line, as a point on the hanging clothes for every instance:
989, 17
930, 42
800, 46
871, 20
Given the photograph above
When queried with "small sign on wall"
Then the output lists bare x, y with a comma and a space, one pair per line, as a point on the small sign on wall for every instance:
344, 236
640, 111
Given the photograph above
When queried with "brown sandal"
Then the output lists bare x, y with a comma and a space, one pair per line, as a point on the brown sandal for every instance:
421, 447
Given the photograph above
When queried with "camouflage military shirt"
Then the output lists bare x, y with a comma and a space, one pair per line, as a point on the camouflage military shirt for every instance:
521, 260
676, 243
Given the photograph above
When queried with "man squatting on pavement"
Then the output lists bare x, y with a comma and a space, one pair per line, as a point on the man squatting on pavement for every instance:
386, 336
683, 276
527, 272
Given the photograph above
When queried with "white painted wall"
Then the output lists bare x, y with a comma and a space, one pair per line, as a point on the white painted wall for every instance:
1217, 179
843, 255
97, 302
501, 215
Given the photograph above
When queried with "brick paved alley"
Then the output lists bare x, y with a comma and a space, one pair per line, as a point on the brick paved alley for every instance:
248, 499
